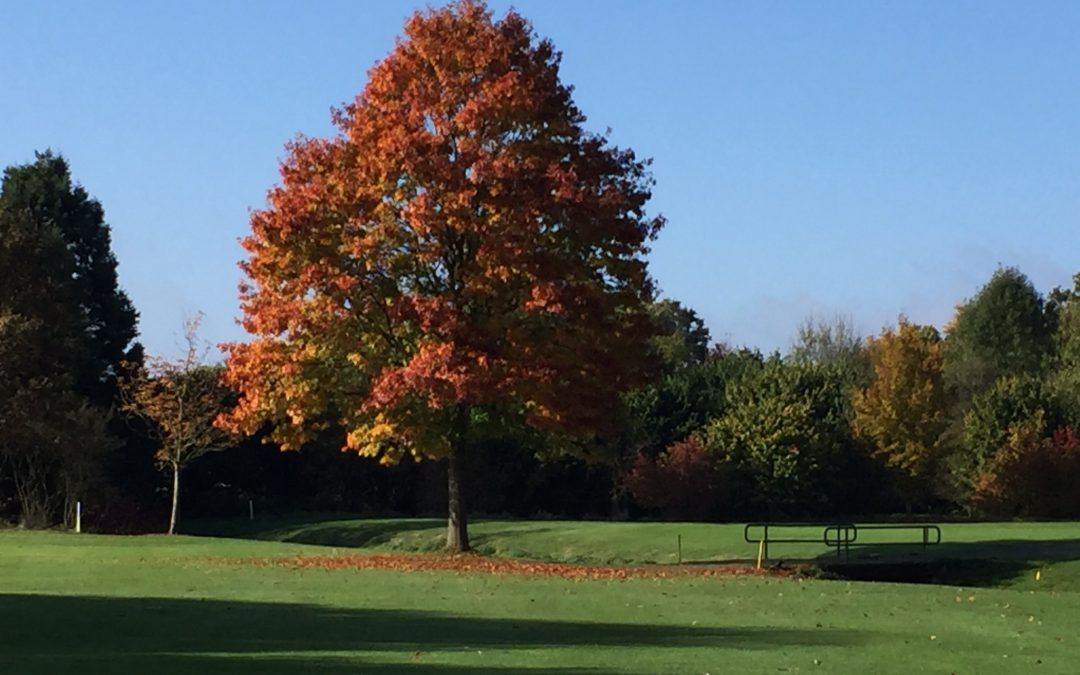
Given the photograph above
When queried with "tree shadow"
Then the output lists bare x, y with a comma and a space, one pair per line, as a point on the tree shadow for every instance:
982, 563
486, 536
318, 529
58, 634
358, 533
343, 531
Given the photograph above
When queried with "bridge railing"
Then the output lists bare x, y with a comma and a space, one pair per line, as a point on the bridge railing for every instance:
837, 535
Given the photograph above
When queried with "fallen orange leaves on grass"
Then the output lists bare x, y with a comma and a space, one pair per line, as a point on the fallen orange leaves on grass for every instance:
478, 564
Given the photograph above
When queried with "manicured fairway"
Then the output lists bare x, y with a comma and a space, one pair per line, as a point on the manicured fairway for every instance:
90, 604
1012, 551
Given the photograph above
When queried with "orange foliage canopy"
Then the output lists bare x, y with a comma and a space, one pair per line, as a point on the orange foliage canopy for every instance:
462, 242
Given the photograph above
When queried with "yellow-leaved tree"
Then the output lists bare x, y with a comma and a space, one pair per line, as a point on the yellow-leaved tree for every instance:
902, 413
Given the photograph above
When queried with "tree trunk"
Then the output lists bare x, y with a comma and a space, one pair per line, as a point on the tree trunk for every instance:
175, 498
457, 532
34, 494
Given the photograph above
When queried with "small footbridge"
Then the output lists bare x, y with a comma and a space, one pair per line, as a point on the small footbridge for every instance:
841, 536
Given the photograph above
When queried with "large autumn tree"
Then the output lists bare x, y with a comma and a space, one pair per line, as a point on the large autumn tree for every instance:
462, 253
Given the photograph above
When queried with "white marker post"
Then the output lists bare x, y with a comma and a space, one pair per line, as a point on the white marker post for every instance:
78, 517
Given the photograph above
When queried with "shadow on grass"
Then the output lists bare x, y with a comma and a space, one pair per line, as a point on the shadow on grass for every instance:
983, 563
358, 533
490, 536
315, 528
343, 531
66, 634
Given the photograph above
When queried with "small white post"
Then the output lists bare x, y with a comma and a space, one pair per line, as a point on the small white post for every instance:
251, 510
78, 517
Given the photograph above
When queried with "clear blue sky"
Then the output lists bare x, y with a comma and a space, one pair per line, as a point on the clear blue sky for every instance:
868, 158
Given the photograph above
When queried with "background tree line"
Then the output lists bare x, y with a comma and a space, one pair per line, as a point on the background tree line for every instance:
979, 419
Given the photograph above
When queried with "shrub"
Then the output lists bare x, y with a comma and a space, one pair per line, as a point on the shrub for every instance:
1032, 475
682, 483
785, 437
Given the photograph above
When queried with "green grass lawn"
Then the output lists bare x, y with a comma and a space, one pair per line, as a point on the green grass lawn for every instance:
1002, 554
155, 604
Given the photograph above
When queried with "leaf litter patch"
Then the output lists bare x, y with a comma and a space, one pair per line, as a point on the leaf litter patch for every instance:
479, 564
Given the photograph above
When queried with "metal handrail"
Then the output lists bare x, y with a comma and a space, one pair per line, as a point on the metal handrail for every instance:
926, 530
846, 535
838, 535
842, 543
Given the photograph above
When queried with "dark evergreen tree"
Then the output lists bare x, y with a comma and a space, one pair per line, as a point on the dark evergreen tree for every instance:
65, 328
44, 192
